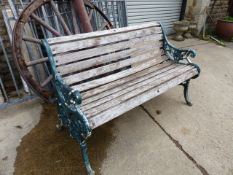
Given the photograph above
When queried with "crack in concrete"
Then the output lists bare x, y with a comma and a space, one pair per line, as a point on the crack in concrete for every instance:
178, 145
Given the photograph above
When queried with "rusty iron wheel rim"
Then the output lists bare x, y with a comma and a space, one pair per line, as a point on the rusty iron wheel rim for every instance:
18, 39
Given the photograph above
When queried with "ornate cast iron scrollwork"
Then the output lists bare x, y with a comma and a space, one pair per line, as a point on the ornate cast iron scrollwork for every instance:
180, 56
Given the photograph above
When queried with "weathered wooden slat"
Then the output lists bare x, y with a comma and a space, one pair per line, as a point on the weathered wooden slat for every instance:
118, 82
131, 86
84, 54
102, 60
88, 43
116, 86
138, 59
93, 109
64, 39
130, 77
131, 103
116, 76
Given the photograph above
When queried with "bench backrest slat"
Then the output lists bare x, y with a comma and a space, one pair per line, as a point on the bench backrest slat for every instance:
146, 55
64, 39
89, 60
103, 40
105, 80
105, 49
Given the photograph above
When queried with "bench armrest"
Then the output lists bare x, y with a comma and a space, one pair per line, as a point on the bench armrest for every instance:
68, 101
177, 54
174, 53
181, 56
70, 114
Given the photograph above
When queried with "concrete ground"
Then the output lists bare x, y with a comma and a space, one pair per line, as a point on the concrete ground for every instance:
164, 136
15, 122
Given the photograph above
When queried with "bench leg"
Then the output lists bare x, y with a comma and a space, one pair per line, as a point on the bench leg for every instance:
85, 157
186, 92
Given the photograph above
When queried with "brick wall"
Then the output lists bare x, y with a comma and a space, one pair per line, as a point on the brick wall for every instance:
218, 9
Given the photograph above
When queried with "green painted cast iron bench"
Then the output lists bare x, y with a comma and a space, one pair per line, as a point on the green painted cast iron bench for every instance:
99, 76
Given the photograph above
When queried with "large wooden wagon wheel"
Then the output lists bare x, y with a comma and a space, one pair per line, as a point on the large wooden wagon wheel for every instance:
44, 19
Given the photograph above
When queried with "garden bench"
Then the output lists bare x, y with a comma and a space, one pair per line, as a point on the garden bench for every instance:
101, 75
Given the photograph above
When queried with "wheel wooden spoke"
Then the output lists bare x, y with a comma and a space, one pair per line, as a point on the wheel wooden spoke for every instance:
105, 24
32, 63
33, 40
36, 22
90, 13
43, 84
46, 25
89, 4
109, 26
60, 18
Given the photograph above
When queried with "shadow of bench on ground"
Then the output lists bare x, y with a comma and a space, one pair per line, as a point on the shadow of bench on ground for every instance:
46, 150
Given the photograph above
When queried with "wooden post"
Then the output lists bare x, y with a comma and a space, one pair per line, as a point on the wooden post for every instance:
83, 16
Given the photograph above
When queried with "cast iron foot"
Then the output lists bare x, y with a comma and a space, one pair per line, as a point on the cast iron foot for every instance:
85, 157
186, 94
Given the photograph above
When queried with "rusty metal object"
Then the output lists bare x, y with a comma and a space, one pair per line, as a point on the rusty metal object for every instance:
29, 14
83, 16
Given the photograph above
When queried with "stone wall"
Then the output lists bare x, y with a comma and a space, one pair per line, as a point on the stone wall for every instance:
201, 10
196, 9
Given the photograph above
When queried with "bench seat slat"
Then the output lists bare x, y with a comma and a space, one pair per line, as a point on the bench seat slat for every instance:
112, 87
104, 80
135, 101
134, 91
129, 87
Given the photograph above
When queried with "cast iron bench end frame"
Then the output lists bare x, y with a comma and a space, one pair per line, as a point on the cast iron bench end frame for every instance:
69, 100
